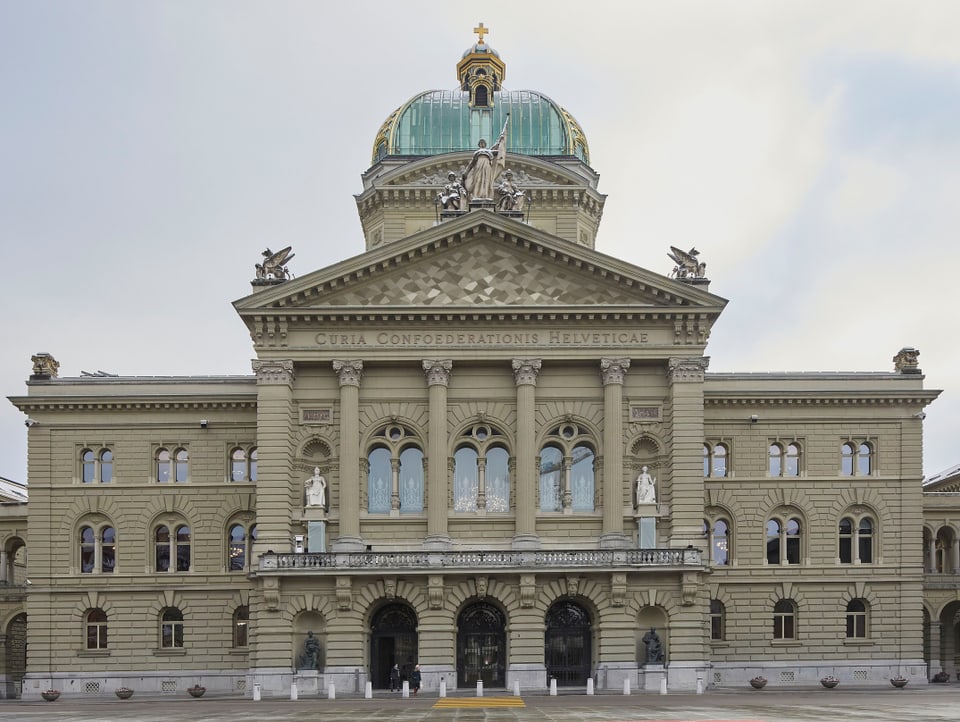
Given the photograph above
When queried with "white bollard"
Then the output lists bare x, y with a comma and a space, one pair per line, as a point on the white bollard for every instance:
406, 689
443, 687
626, 686
590, 685
699, 685
516, 688
479, 688
663, 685
368, 691
332, 691
256, 692
553, 686
293, 691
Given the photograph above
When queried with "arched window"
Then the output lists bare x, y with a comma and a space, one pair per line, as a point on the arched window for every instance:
481, 473
856, 458
856, 619
96, 467
775, 456
567, 473
170, 546
793, 460
95, 628
717, 621
480, 98
784, 460
864, 460
241, 624
784, 540
98, 549
720, 542
855, 540
182, 465
241, 538
784, 620
395, 479
171, 628
243, 464
715, 460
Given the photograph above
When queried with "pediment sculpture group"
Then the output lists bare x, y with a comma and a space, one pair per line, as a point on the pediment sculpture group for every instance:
479, 181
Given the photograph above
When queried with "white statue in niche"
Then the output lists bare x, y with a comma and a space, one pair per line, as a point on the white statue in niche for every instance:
316, 487
646, 491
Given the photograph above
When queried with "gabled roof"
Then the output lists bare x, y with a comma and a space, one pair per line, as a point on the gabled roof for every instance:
12, 492
481, 262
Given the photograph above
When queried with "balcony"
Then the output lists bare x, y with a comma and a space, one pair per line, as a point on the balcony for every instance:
470, 561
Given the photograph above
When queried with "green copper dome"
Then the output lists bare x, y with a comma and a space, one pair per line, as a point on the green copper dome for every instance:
442, 121
445, 121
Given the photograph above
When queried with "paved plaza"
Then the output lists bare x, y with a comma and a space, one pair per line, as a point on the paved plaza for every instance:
928, 704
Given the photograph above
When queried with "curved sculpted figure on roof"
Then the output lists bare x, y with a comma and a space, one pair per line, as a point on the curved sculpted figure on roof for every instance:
687, 264
510, 196
453, 197
274, 265
485, 166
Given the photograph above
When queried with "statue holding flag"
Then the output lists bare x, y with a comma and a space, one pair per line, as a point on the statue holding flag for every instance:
486, 165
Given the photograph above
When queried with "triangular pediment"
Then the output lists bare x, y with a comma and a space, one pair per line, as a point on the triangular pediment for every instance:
481, 261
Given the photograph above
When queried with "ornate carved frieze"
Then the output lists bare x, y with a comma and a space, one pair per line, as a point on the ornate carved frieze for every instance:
344, 594
348, 372
525, 371
437, 371
274, 372
686, 368
613, 370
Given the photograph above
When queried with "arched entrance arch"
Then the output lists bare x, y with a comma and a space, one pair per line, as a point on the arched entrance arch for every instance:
481, 646
15, 653
567, 644
393, 640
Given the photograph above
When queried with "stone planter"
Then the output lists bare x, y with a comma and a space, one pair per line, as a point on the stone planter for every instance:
758, 682
123, 692
196, 690
829, 682
898, 682
51, 695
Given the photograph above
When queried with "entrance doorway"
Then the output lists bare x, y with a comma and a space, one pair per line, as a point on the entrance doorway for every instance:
567, 643
393, 640
481, 646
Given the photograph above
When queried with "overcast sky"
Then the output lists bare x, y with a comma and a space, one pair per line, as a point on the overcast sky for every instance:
150, 150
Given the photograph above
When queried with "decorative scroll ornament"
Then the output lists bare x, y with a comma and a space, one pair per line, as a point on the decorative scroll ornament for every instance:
437, 371
525, 371
688, 368
390, 588
613, 370
344, 595
481, 587
273, 372
573, 586
348, 372
528, 590
435, 591
618, 589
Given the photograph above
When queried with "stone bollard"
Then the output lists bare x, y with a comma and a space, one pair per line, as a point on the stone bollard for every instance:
553, 686
443, 687
293, 691
663, 685
516, 688
257, 690
406, 689
626, 686
368, 691
699, 685
479, 688
590, 685
332, 691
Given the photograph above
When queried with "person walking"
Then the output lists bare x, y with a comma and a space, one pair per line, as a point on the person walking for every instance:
395, 678
415, 679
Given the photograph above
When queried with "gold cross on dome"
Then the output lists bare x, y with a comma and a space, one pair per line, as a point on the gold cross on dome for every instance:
481, 31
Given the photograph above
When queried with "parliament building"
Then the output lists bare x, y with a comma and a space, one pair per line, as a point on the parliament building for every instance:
482, 446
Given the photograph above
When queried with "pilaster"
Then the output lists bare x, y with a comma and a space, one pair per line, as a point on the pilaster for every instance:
437, 374
348, 375
686, 377
525, 372
612, 373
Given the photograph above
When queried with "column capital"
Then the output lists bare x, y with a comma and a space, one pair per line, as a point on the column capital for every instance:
348, 372
613, 370
276, 372
437, 371
526, 370
688, 368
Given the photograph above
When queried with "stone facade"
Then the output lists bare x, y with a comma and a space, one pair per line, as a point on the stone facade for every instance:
479, 393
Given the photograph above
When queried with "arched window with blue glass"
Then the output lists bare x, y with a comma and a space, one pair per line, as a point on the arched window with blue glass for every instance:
567, 473
395, 480
481, 470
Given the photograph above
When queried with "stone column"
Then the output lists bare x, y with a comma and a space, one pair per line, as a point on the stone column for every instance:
279, 492
438, 377
932, 547
956, 555
612, 372
686, 376
525, 372
348, 374
936, 653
